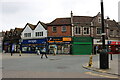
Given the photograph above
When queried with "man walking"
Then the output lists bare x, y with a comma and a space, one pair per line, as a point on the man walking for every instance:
43, 52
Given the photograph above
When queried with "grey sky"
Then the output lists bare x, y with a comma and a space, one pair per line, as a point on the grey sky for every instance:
16, 13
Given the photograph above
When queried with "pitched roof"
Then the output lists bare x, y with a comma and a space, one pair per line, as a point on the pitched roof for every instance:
60, 21
82, 19
111, 23
31, 26
76, 20
18, 29
43, 24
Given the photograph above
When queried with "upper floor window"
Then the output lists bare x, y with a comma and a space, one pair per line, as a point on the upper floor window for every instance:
99, 19
54, 29
39, 34
118, 33
99, 30
77, 30
86, 30
64, 29
27, 34
111, 32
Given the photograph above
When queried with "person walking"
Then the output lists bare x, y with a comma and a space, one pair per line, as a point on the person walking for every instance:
19, 52
43, 52
11, 50
55, 50
38, 52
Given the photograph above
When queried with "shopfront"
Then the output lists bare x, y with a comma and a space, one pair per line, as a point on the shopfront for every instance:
82, 46
62, 44
114, 47
111, 45
31, 45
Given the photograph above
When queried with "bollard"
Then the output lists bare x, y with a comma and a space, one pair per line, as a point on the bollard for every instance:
90, 61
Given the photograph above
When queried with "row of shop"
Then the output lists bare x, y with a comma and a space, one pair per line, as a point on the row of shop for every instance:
64, 45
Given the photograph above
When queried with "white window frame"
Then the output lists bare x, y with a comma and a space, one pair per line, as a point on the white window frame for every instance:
99, 19
64, 29
97, 30
76, 27
38, 34
53, 30
27, 34
86, 31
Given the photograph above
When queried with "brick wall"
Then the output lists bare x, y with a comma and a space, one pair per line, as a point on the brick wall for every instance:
59, 32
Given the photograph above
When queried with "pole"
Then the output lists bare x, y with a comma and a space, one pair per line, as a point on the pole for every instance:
102, 20
104, 64
111, 56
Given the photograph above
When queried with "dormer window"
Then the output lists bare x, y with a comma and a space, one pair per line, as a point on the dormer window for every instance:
39, 34
27, 34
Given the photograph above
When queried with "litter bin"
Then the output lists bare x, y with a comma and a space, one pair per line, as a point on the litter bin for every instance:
104, 59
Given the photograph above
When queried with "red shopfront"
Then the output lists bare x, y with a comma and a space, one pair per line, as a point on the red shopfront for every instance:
114, 47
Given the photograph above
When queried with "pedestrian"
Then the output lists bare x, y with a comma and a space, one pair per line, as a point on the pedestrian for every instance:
11, 53
43, 52
19, 52
11, 50
55, 50
38, 52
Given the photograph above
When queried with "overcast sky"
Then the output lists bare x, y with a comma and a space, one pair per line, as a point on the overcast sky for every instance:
16, 13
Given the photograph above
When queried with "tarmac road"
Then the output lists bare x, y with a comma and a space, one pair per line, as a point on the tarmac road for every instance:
59, 66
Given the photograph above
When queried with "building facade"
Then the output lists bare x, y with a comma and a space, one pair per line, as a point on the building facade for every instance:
33, 37
84, 27
59, 36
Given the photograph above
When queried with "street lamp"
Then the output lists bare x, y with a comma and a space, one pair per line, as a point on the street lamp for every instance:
104, 61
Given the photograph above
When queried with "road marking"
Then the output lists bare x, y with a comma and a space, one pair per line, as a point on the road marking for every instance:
94, 74
102, 71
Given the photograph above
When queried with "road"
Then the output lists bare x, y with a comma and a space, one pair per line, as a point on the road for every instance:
59, 66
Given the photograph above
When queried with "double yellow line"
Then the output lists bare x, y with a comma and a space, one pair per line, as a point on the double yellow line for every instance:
94, 74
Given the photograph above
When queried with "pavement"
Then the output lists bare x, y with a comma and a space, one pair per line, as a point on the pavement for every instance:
113, 67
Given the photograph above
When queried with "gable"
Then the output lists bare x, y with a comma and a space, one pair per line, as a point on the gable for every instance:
39, 28
27, 29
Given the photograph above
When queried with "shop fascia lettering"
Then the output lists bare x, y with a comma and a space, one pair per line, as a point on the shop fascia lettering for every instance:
32, 41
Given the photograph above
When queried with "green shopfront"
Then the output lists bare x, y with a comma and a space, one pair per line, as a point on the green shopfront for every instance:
82, 45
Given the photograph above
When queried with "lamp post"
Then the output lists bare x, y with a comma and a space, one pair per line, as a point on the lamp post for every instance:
104, 61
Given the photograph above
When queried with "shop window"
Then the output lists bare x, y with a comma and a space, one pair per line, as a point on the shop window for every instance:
24, 48
54, 29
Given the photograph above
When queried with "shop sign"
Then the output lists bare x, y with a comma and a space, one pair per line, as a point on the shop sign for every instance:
67, 39
54, 39
114, 43
118, 43
34, 41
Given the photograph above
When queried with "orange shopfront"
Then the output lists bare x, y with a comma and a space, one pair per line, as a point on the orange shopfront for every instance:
62, 44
